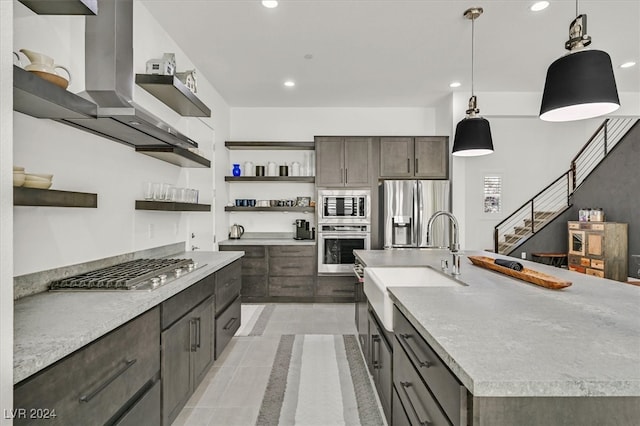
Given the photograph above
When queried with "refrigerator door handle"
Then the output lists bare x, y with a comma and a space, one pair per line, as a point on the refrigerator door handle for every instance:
416, 214
419, 212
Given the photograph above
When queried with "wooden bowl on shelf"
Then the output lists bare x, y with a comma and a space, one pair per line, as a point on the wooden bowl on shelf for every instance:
53, 78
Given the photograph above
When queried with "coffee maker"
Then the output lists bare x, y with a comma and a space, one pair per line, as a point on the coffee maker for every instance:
302, 230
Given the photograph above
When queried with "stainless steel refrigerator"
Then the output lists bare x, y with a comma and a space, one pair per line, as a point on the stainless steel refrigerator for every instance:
407, 205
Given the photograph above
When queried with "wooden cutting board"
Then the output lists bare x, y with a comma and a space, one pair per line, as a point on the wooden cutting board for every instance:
529, 275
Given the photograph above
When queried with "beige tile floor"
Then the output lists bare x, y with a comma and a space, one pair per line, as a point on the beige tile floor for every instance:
232, 391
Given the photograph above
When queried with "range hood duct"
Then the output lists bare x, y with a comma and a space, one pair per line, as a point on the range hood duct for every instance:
109, 81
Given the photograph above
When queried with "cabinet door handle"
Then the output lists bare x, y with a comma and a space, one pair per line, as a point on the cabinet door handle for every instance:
375, 361
404, 386
192, 330
405, 344
290, 286
346, 175
415, 169
408, 165
228, 325
199, 332
89, 396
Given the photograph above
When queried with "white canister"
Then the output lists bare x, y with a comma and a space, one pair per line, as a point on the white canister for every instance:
272, 169
295, 169
249, 170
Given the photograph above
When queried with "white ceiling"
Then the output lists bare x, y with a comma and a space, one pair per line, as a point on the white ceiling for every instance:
386, 53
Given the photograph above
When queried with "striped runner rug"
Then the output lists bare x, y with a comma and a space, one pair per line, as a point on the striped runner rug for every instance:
319, 380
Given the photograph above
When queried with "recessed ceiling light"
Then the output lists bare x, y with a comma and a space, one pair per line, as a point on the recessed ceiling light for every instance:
289, 83
627, 64
270, 3
539, 5
455, 84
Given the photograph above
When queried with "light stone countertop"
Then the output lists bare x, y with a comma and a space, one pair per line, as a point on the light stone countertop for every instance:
51, 325
503, 337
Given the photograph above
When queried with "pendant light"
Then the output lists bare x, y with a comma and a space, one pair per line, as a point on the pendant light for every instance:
473, 134
580, 84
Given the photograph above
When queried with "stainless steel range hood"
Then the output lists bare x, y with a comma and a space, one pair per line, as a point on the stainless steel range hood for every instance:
109, 81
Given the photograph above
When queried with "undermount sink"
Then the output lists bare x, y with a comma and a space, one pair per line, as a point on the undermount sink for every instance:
378, 279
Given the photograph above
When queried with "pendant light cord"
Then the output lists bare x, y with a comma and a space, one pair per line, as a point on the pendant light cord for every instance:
473, 20
576, 7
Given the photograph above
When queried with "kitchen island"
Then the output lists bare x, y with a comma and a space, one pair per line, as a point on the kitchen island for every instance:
527, 354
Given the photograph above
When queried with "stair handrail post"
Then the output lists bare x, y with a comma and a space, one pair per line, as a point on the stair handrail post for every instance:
569, 191
533, 218
574, 175
495, 240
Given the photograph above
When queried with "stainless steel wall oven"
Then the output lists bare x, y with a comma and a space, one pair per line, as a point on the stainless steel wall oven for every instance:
336, 243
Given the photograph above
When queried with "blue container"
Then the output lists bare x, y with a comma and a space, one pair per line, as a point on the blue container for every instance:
236, 170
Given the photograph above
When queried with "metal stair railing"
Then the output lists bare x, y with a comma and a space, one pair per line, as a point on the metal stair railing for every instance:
555, 198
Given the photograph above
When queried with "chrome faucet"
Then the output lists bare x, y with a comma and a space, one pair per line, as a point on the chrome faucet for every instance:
454, 246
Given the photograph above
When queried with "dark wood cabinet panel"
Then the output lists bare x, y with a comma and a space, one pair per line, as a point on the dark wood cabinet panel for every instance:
254, 266
292, 250
329, 161
336, 286
93, 384
380, 364
357, 154
396, 157
291, 266
204, 340
254, 286
294, 286
425, 157
431, 157
176, 368
226, 326
228, 285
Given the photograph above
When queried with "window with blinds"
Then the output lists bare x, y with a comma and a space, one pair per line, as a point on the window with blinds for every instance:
492, 194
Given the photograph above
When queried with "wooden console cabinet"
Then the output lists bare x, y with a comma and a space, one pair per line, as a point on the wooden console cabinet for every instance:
599, 249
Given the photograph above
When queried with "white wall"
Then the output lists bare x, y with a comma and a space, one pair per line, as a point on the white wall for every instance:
302, 124
51, 237
6, 210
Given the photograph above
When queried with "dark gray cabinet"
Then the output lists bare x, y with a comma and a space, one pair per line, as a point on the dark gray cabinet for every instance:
95, 384
187, 354
424, 157
254, 270
380, 363
362, 318
343, 161
227, 304
427, 389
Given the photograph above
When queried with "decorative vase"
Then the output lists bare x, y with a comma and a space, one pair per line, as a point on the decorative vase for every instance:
236, 170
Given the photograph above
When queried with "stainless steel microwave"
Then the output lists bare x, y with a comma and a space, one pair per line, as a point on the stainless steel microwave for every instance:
344, 205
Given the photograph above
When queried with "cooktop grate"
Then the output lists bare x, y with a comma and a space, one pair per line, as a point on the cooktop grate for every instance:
124, 276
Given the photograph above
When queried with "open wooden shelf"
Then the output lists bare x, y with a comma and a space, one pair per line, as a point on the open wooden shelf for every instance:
174, 155
270, 209
307, 179
39, 98
270, 145
53, 198
170, 206
171, 91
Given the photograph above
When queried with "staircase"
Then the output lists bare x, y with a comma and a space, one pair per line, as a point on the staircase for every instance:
555, 198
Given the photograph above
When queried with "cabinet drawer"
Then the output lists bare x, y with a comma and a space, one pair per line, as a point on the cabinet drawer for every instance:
228, 285
580, 269
226, 326
291, 266
419, 404
287, 251
336, 287
594, 272
585, 261
400, 417
249, 251
146, 411
254, 266
301, 286
254, 286
597, 263
176, 307
91, 385
443, 384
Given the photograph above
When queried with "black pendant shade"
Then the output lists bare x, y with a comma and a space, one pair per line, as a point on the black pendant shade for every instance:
473, 137
579, 85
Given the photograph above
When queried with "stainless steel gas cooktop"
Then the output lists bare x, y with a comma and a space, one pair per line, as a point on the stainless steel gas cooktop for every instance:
140, 274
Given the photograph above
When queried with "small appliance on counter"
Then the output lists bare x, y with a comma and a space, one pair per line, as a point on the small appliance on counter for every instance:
303, 232
236, 231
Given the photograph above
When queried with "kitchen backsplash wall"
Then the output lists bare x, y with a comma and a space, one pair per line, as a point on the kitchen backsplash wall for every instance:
45, 237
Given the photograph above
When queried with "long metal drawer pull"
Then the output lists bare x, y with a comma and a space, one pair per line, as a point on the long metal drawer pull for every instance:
346, 175
408, 165
425, 364
227, 326
404, 386
199, 332
375, 360
88, 397
192, 344
416, 167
